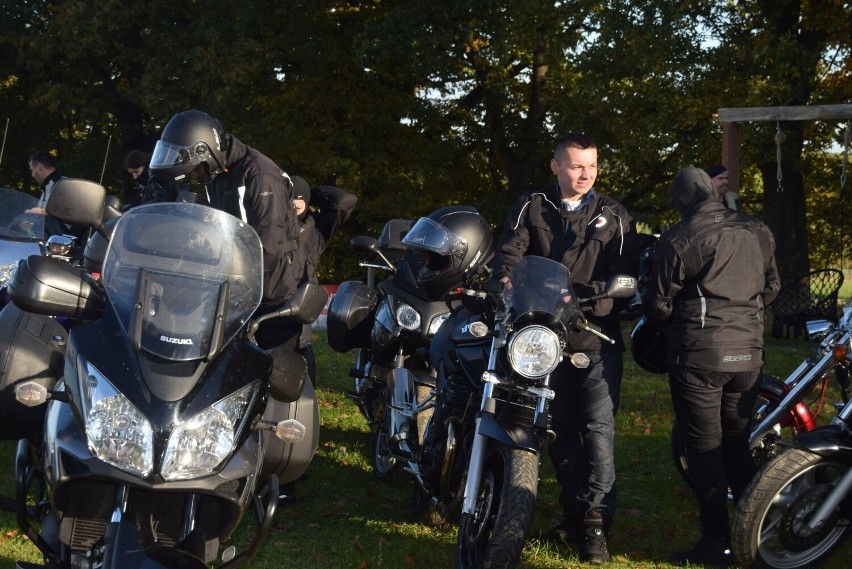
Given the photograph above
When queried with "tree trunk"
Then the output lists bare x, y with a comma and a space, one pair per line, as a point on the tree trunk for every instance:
784, 214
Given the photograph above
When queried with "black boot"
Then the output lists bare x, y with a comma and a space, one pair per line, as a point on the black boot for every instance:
593, 542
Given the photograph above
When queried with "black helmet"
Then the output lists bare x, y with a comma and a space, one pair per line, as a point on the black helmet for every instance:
189, 139
649, 346
449, 249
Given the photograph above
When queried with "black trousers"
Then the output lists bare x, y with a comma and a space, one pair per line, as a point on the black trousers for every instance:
714, 410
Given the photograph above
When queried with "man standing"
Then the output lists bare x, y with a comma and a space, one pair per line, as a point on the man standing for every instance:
721, 184
43, 169
595, 237
320, 211
714, 272
240, 180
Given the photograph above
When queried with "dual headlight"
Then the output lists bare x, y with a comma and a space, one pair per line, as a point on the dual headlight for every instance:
395, 315
120, 435
535, 351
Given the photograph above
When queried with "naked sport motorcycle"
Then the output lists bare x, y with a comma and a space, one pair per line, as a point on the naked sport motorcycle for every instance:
479, 461
168, 423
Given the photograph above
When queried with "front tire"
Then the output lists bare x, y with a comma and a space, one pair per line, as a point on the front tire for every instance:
494, 535
770, 523
385, 465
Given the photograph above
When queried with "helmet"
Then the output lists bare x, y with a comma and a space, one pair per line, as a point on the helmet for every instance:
190, 138
449, 249
649, 346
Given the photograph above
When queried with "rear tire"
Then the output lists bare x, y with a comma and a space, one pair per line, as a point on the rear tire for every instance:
770, 523
494, 535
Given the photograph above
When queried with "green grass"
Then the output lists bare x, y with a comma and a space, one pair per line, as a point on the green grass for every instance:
346, 518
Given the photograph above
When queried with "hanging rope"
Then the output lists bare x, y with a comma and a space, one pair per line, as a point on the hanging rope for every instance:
845, 159
780, 137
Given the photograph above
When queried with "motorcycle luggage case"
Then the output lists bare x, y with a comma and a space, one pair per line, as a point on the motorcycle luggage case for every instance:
32, 348
286, 460
350, 316
53, 287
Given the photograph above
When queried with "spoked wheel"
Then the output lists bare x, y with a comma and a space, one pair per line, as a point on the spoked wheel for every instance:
494, 534
770, 525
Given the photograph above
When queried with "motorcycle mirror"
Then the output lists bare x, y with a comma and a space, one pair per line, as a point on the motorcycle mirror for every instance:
365, 244
303, 307
368, 244
618, 286
77, 202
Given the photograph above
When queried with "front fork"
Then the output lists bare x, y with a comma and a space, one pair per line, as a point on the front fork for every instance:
486, 413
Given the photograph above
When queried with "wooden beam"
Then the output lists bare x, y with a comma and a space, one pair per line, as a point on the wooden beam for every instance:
731, 153
802, 113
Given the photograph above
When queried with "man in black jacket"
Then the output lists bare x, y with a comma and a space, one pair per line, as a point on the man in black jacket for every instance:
714, 272
241, 181
594, 237
320, 211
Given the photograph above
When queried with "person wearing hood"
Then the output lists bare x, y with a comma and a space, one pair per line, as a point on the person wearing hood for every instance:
713, 274
321, 211
244, 182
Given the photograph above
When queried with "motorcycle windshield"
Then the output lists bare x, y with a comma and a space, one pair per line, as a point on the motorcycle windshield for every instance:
180, 276
15, 222
539, 287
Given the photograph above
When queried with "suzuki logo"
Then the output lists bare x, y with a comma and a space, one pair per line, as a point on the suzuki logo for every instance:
179, 341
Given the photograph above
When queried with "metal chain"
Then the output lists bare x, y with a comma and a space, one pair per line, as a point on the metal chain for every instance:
780, 137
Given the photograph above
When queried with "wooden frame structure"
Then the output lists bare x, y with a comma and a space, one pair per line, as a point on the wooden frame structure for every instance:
732, 117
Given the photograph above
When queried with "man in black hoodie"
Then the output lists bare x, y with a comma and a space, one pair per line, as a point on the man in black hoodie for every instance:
713, 274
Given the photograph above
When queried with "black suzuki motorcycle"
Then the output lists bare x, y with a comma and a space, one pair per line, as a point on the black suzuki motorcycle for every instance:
797, 511
479, 461
390, 325
159, 436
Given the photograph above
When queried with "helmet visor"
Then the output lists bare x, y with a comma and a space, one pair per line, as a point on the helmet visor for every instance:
431, 236
173, 158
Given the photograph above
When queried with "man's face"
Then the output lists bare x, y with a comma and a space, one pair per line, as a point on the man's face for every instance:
576, 169
300, 205
38, 172
720, 184
136, 172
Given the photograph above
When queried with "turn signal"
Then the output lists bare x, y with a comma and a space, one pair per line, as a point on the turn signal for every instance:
840, 352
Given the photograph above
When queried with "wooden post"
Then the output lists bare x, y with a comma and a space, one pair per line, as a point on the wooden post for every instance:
731, 153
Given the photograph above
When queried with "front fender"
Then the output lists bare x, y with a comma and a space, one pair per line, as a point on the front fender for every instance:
831, 440
516, 436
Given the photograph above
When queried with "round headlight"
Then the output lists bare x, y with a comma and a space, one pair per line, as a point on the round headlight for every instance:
535, 351
407, 317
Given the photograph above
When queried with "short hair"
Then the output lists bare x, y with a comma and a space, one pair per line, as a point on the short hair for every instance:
573, 140
42, 157
136, 159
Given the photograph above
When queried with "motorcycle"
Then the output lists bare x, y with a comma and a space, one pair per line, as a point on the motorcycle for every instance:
24, 233
169, 423
783, 410
479, 461
390, 325
797, 511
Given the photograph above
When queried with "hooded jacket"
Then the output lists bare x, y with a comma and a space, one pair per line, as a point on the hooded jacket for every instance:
256, 190
713, 274
595, 242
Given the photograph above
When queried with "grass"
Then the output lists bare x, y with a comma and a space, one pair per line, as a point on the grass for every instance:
344, 517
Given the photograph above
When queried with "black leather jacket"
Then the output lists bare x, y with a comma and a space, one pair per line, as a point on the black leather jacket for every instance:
594, 242
713, 274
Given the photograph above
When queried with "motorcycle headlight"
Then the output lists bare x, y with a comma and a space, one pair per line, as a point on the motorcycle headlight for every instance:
535, 351
437, 322
6, 273
407, 317
202, 442
384, 328
116, 431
